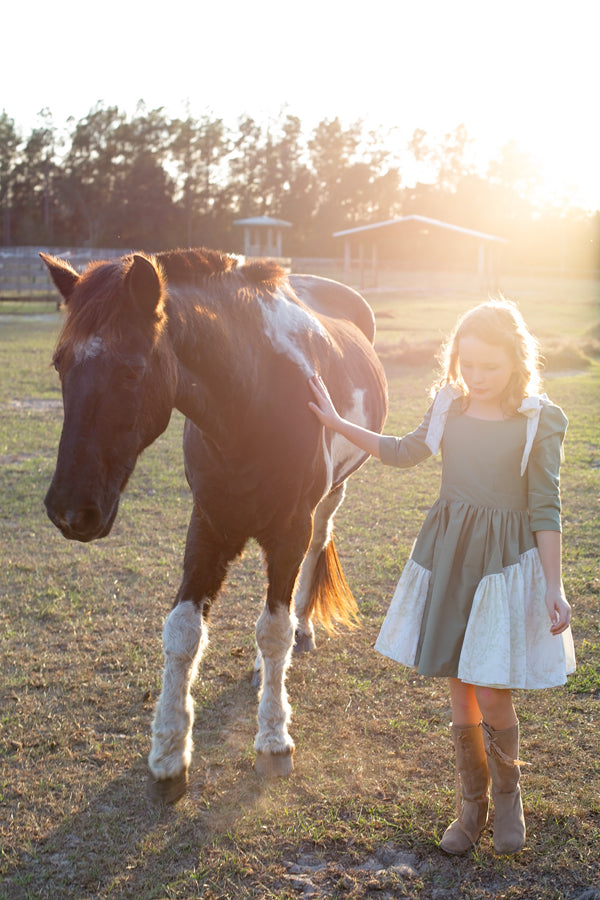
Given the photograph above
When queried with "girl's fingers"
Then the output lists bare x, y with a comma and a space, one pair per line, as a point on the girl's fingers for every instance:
560, 622
316, 384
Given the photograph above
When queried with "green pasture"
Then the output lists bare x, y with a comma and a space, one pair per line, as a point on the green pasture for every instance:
81, 662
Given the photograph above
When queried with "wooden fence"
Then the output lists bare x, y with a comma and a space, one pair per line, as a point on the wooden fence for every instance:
24, 276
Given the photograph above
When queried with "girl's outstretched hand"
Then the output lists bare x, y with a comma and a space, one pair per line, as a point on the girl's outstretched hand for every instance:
322, 406
559, 611
328, 415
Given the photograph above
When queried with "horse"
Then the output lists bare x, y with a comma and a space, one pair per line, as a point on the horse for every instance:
231, 344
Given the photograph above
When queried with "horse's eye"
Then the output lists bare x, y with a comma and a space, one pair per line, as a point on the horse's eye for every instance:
133, 374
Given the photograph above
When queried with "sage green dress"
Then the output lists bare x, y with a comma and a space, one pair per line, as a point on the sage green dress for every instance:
470, 601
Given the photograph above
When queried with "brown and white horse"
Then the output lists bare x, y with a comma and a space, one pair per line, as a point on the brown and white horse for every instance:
232, 346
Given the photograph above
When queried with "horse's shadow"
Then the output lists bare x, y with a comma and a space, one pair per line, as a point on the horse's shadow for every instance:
118, 842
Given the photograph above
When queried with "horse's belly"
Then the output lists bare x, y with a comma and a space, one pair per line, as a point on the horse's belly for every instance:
345, 458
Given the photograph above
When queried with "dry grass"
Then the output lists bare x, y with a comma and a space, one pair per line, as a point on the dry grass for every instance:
81, 661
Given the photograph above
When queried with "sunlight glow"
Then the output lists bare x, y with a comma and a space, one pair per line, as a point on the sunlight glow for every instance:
507, 70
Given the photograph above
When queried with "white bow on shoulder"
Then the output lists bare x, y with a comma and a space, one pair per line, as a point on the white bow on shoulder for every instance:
442, 403
531, 407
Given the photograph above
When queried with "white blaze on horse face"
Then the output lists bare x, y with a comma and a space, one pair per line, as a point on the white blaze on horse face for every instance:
93, 347
285, 325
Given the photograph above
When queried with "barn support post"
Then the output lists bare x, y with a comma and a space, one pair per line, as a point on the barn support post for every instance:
361, 264
374, 264
347, 257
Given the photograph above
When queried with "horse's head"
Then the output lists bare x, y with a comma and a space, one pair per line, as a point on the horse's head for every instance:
118, 376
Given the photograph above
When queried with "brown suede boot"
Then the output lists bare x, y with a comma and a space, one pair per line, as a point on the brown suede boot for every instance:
502, 748
472, 769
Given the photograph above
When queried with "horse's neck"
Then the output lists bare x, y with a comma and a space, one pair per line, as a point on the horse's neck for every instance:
204, 365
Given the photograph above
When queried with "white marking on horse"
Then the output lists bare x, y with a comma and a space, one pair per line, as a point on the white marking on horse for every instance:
339, 453
184, 642
93, 347
328, 457
275, 639
343, 453
285, 324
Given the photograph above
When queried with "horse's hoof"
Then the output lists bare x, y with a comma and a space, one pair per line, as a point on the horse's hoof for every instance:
274, 765
166, 790
304, 643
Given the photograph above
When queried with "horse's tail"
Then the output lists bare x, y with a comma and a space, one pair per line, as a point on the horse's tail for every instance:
331, 598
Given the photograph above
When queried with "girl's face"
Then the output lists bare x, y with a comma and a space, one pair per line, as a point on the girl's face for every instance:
486, 369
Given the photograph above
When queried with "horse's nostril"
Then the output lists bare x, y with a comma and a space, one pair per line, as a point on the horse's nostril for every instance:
85, 521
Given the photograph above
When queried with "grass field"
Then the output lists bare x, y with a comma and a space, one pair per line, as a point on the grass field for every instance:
373, 787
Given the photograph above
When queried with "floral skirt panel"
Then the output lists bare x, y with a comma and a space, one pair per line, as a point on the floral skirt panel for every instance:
503, 640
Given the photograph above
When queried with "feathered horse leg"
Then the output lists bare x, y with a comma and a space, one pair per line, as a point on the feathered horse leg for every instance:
184, 640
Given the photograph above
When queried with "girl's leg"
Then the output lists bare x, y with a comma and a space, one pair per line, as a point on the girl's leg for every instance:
497, 708
501, 736
465, 709
471, 767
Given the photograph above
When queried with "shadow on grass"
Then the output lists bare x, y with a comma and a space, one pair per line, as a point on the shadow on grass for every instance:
119, 844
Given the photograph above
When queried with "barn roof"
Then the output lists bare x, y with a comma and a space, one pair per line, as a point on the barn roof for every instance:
263, 220
424, 220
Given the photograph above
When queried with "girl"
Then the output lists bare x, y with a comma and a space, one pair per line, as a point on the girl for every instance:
481, 599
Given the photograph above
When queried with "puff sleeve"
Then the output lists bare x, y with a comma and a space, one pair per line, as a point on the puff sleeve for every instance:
543, 470
425, 441
406, 451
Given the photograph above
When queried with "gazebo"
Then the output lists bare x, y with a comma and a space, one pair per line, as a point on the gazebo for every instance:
263, 235
486, 244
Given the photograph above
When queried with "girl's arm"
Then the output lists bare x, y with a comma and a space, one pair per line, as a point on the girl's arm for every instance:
327, 414
550, 550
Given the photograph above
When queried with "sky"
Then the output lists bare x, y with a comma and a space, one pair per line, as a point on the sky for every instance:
522, 70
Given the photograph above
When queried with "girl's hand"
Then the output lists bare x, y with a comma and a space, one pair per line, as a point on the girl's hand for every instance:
328, 415
559, 611
322, 405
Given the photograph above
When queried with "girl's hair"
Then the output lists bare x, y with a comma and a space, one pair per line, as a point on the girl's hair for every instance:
500, 323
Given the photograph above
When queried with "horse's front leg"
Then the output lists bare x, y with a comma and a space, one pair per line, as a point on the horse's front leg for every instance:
184, 641
274, 746
275, 632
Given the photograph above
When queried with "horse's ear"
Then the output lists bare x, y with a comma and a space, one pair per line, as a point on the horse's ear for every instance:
144, 283
63, 275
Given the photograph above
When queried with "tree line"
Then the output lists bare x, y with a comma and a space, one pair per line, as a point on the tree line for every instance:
150, 181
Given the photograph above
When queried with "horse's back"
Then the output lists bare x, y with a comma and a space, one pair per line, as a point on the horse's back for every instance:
330, 298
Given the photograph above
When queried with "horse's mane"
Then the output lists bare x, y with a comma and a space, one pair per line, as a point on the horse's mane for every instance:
193, 266
97, 307
190, 266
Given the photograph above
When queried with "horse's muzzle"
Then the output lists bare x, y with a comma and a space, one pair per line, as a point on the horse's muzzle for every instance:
82, 524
